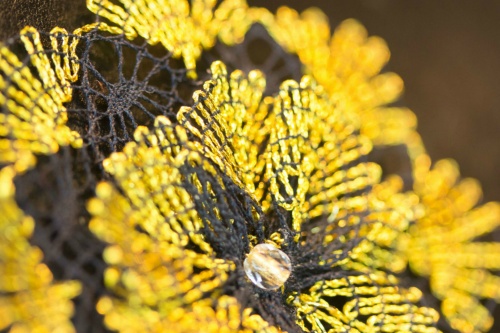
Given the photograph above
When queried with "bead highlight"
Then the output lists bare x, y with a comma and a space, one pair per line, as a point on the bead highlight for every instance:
267, 267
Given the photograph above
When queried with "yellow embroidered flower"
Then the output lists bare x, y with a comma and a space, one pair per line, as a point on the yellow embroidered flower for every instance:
289, 150
191, 195
348, 65
192, 199
151, 227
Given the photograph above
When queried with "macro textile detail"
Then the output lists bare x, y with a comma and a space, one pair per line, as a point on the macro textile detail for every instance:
144, 156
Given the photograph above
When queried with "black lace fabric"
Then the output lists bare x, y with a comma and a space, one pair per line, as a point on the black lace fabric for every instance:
159, 186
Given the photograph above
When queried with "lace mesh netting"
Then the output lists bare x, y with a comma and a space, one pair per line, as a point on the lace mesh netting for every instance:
123, 84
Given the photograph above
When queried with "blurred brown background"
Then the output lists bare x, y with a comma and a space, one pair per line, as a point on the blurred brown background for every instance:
448, 53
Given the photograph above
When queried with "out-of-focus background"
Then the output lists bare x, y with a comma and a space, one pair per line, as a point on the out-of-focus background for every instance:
447, 52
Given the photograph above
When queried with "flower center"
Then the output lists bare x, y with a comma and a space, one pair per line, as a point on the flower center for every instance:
267, 267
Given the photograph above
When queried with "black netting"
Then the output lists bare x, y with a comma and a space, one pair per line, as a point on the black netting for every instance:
122, 85
55, 194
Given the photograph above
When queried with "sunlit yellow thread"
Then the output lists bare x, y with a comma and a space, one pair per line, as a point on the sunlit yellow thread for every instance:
35, 117
388, 308
184, 28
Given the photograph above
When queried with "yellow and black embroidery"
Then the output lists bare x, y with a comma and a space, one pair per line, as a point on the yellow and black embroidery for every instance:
161, 209
183, 28
375, 296
149, 229
186, 190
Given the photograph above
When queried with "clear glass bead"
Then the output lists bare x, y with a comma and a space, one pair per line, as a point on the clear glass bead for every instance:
267, 266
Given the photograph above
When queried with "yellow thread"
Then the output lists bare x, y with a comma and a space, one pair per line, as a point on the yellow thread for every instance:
385, 308
35, 121
308, 142
440, 244
29, 299
347, 64
152, 270
184, 28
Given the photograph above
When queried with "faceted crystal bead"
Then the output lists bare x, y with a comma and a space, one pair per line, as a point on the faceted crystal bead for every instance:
267, 267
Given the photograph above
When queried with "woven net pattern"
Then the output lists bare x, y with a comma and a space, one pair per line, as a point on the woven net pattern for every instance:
141, 162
